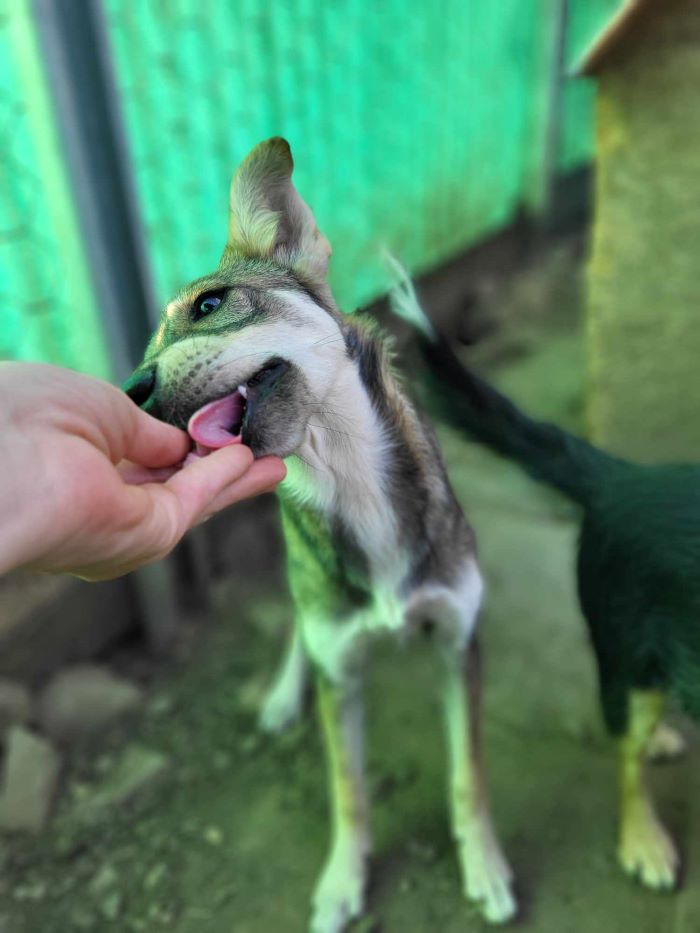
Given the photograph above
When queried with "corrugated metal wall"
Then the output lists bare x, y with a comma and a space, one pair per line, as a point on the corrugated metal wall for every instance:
412, 129
420, 128
47, 308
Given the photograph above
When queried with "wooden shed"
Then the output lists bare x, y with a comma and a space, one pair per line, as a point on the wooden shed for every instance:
644, 277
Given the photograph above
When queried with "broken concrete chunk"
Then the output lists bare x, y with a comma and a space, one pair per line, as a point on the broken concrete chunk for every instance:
30, 776
138, 769
15, 705
83, 700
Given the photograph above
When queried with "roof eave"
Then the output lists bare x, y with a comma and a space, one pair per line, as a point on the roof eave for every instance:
607, 39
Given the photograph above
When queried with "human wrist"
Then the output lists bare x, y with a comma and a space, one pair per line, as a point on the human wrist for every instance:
24, 514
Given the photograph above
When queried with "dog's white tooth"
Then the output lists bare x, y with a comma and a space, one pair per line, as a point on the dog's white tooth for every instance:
243, 390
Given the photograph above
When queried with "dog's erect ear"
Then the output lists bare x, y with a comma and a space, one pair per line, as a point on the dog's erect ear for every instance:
268, 219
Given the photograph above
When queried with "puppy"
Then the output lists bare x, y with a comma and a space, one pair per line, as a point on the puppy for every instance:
376, 543
638, 575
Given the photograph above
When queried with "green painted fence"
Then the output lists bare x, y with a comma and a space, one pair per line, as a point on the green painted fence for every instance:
47, 308
417, 128
420, 127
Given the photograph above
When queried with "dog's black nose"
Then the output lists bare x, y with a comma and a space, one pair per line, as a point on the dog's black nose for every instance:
140, 385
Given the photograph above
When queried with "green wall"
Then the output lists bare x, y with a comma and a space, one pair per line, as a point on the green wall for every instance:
47, 308
418, 127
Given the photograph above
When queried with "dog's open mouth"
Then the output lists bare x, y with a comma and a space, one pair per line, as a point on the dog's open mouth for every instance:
219, 423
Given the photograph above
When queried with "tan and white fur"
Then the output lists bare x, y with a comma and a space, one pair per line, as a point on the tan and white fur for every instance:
377, 544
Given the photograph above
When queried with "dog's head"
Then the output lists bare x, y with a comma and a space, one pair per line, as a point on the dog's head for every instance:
250, 352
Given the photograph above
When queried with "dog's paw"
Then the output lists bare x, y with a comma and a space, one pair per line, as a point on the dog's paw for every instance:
340, 893
281, 708
647, 853
665, 743
487, 878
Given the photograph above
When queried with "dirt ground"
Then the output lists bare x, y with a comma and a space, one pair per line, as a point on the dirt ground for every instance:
229, 834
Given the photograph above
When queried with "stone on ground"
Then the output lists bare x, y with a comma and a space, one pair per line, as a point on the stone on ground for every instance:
83, 700
136, 770
15, 705
30, 776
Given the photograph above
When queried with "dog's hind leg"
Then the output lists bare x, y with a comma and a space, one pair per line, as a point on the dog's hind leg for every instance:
339, 895
486, 875
284, 702
646, 850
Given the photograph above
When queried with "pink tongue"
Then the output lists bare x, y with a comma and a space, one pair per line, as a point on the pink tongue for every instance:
210, 427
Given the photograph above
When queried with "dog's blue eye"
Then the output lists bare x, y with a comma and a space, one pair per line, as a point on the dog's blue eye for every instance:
205, 305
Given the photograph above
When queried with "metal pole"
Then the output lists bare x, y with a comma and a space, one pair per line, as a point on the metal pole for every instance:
80, 74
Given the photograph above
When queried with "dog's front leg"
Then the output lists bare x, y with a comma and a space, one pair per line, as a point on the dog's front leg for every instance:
339, 895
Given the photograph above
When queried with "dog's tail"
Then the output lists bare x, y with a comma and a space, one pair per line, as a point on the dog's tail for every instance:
468, 403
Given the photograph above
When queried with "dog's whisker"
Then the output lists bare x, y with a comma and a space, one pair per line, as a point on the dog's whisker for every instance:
238, 359
341, 416
306, 462
328, 340
325, 427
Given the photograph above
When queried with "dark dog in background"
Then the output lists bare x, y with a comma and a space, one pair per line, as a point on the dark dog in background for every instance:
638, 574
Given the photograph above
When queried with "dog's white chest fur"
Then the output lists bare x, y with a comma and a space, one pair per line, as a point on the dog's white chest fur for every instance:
341, 470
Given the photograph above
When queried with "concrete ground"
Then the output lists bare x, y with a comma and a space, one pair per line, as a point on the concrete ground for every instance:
230, 838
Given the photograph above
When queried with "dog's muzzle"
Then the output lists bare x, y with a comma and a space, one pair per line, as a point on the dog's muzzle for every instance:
221, 421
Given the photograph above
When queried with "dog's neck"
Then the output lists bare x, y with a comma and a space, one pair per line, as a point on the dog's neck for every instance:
341, 467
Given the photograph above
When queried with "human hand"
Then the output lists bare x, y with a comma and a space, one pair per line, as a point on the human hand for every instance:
93, 486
